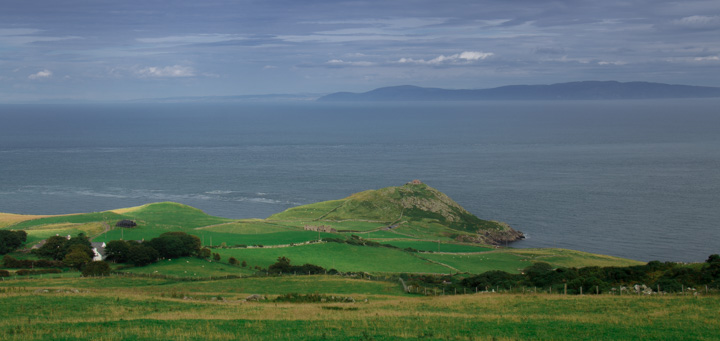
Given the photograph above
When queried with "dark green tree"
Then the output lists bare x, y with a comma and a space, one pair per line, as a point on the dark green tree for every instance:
117, 251
204, 253
96, 268
77, 257
141, 254
233, 261
11, 240
216, 257
80, 239
175, 244
53, 248
281, 266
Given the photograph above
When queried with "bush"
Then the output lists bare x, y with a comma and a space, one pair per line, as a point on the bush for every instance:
233, 261
77, 259
283, 267
26, 272
11, 240
96, 268
141, 254
117, 251
11, 262
126, 223
204, 253
175, 244
4, 273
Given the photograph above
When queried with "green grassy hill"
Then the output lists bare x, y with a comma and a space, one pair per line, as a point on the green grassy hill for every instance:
413, 210
424, 231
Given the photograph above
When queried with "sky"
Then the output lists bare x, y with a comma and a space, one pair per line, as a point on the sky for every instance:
98, 50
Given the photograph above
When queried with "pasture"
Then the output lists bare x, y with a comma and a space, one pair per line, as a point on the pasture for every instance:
121, 308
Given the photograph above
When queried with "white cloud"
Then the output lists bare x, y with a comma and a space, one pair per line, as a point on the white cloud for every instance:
458, 58
41, 74
705, 59
168, 71
700, 22
191, 39
611, 63
22, 36
340, 62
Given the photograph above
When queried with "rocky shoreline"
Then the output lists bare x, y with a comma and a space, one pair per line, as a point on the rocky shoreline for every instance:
493, 237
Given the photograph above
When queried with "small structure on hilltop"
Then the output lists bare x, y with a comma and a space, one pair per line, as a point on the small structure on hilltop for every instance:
415, 182
321, 228
126, 223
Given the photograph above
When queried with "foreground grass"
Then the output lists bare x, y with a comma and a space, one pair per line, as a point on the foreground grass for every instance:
141, 309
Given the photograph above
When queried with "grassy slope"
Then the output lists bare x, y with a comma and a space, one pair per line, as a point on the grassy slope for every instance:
279, 230
408, 206
124, 308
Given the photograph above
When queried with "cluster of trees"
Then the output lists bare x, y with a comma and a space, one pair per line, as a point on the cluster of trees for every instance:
13, 263
668, 276
74, 252
167, 245
11, 240
359, 241
282, 266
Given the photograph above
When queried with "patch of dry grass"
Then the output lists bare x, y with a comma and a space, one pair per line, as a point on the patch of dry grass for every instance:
8, 219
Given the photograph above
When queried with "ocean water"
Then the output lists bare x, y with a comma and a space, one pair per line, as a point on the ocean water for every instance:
636, 179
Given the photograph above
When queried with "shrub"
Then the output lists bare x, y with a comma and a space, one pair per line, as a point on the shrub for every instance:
11, 240
4, 273
204, 253
96, 268
117, 251
76, 259
126, 223
25, 272
175, 244
141, 254
11, 262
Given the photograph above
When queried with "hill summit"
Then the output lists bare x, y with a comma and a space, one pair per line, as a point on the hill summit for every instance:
412, 208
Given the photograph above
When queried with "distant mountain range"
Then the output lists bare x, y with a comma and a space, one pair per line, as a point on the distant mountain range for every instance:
587, 90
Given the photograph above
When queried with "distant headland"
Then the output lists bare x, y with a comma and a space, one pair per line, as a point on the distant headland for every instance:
585, 90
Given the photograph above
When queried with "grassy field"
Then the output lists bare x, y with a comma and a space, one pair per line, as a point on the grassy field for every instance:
424, 245
120, 308
342, 257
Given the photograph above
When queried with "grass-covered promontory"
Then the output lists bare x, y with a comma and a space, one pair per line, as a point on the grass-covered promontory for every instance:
412, 210
410, 228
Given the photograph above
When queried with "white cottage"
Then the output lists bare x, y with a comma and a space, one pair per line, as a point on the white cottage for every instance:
99, 251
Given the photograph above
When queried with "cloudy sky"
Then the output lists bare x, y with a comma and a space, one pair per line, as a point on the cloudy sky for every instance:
117, 50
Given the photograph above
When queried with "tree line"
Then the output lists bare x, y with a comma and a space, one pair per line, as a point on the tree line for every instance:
663, 276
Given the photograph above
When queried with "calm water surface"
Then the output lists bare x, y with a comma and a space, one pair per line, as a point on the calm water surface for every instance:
636, 179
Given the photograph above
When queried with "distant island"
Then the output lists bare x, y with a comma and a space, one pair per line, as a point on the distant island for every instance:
586, 90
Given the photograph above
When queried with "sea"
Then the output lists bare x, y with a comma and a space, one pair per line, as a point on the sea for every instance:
638, 179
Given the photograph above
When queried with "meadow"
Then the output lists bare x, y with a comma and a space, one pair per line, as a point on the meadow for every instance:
122, 308
195, 298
